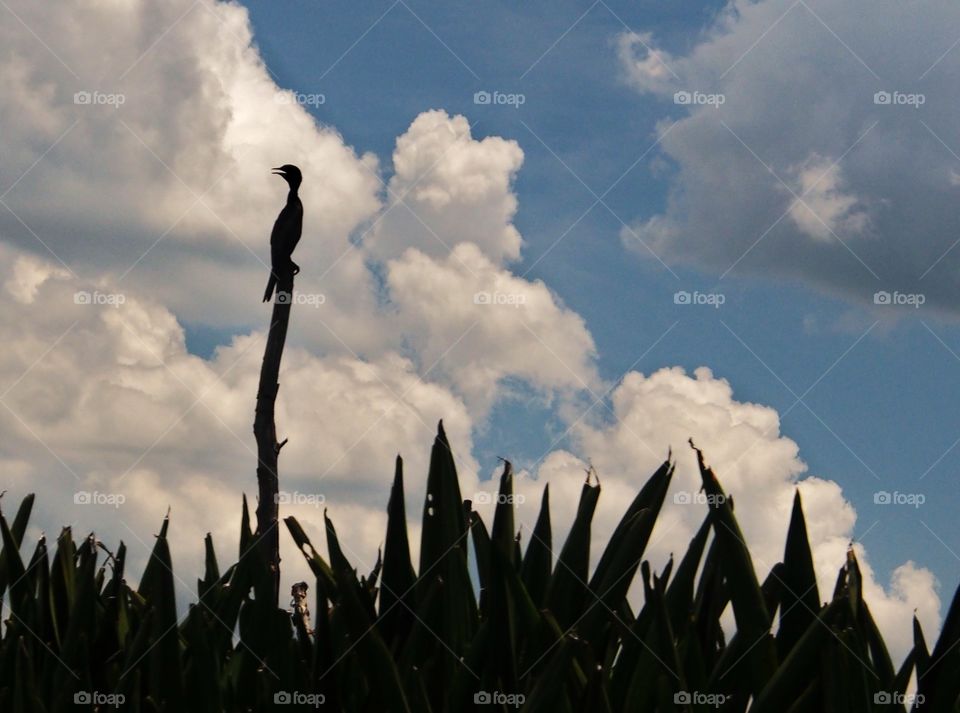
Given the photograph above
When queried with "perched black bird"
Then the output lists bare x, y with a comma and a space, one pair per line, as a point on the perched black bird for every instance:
286, 230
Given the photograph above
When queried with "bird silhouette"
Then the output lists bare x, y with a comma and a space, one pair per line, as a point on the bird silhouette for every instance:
286, 230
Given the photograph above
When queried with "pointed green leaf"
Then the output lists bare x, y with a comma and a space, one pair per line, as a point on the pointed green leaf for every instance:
538, 559
801, 598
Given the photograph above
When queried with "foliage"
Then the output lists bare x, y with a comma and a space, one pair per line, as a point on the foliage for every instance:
525, 632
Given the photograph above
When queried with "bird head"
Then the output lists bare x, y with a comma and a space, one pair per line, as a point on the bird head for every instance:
291, 174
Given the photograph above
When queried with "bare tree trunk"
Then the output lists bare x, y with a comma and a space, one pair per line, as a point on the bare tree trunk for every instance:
265, 431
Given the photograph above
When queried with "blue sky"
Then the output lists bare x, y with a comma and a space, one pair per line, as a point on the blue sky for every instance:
813, 170
879, 419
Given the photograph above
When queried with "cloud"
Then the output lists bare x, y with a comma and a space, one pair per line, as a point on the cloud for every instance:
477, 324
126, 219
646, 68
814, 106
757, 465
28, 275
448, 189
138, 176
170, 187
165, 190
102, 397
821, 209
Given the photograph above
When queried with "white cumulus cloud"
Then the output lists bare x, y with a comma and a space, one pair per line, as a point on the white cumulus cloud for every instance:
816, 103
157, 207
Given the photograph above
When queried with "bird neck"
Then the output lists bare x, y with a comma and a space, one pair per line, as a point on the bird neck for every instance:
292, 195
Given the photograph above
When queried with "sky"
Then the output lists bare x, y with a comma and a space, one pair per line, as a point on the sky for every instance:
579, 233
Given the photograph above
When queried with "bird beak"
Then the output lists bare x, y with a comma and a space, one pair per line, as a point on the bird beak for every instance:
277, 172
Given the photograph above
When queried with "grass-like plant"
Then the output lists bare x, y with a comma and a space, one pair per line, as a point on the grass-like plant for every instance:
534, 631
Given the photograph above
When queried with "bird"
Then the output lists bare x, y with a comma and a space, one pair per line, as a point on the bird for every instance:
286, 230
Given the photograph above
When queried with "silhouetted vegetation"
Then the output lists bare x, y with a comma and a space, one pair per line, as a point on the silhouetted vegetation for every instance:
482, 623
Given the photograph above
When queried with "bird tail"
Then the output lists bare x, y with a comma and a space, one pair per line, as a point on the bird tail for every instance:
271, 284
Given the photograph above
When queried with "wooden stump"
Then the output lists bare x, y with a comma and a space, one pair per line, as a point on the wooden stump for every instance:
265, 431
